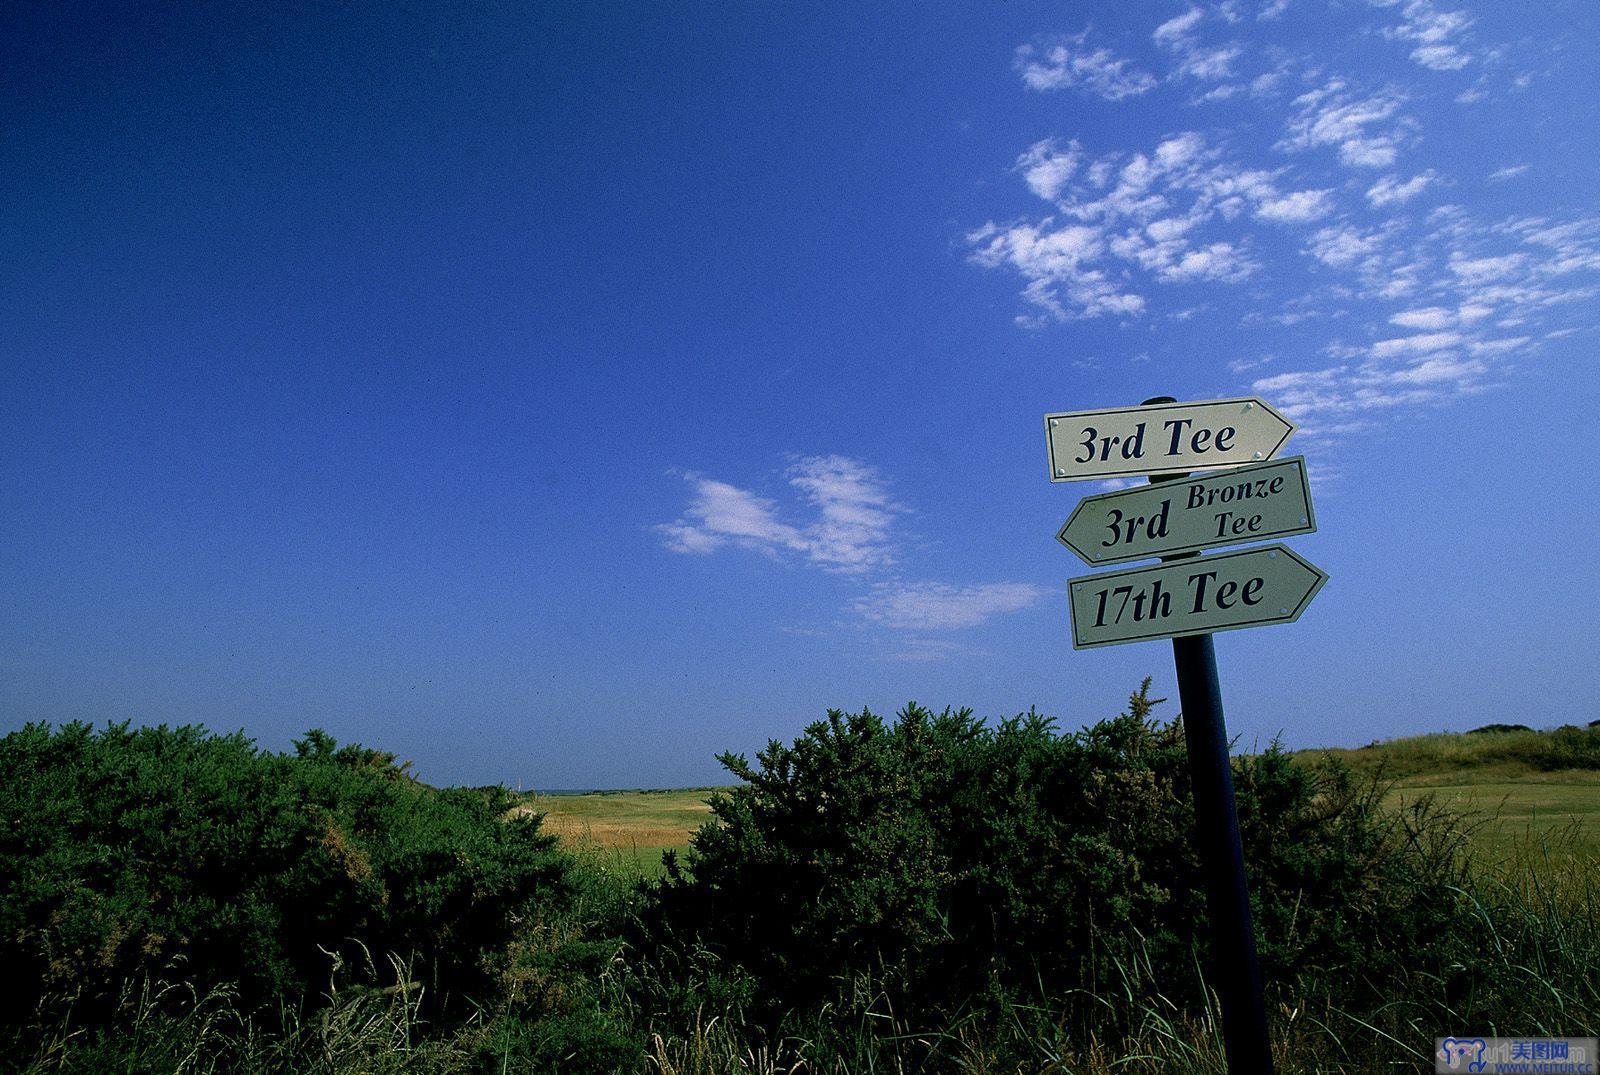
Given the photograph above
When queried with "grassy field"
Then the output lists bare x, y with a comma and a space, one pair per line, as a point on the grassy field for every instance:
1511, 785
1527, 792
631, 829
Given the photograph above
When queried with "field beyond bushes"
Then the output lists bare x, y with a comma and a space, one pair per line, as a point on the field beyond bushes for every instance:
933, 893
630, 828
1519, 791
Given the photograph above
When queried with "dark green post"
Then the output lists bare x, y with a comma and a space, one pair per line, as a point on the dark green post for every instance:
1235, 969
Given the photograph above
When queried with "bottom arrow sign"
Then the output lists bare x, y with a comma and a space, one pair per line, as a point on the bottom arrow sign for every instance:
1195, 596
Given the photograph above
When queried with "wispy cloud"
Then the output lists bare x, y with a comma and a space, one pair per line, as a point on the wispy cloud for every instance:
1208, 63
1495, 279
849, 534
1431, 302
855, 512
1048, 166
1436, 33
1125, 222
1296, 208
1391, 190
839, 517
1070, 63
1365, 128
936, 606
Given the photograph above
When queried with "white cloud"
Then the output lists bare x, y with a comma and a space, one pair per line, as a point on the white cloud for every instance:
683, 537
1486, 269
1573, 245
1436, 34
1207, 63
1121, 215
1501, 346
1331, 401
1176, 29
1391, 191
1265, 85
1210, 64
1069, 62
1415, 345
1047, 166
720, 513
937, 606
1436, 318
849, 535
1220, 93
1296, 208
1343, 246
1433, 305
1430, 317
855, 511
1057, 264
1441, 57
1363, 129
1218, 261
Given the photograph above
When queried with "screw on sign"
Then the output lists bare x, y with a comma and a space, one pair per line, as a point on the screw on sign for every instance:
1187, 598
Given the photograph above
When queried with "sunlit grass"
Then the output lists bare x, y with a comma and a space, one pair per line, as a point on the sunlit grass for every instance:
625, 830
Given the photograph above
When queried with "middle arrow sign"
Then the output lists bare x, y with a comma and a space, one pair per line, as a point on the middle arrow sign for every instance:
1249, 503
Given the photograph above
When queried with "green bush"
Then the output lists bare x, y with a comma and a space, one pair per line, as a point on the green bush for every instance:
931, 894
949, 860
173, 854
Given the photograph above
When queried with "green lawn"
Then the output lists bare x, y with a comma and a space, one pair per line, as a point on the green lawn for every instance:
1524, 793
1516, 818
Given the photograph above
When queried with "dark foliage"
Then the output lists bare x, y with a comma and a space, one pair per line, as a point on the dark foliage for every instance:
951, 859
173, 854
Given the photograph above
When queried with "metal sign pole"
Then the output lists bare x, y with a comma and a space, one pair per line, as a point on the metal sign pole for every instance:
1235, 968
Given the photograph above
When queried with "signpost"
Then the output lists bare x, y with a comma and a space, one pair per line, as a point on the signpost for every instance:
1250, 503
1166, 438
1187, 598
1201, 595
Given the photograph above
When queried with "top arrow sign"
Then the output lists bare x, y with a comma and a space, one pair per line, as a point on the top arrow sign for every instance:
1164, 438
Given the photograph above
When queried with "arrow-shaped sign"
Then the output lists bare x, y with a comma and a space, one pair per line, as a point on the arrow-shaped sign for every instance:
1163, 438
1195, 596
1253, 503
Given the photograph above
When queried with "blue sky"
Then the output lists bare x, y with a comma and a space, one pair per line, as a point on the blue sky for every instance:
561, 397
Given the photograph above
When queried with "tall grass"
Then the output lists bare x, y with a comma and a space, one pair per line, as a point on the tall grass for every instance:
1535, 975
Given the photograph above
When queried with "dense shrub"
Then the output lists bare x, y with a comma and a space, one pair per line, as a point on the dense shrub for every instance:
933, 894
172, 854
950, 859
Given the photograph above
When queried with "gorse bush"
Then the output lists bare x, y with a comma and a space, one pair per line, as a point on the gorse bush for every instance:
171, 854
929, 894
950, 860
